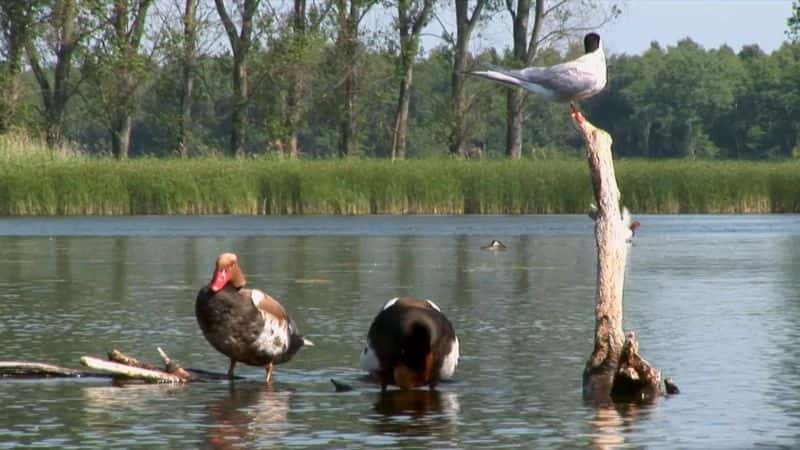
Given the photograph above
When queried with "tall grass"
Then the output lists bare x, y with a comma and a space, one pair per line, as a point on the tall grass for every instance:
44, 184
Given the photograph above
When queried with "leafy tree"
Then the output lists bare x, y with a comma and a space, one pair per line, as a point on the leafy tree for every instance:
17, 21
793, 22
118, 68
412, 16
64, 27
241, 41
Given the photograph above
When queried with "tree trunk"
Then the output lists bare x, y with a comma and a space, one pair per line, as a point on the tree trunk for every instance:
187, 83
514, 103
16, 28
401, 115
458, 105
10, 86
607, 374
410, 20
239, 113
121, 137
53, 130
240, 41
458, 108
295, 93
347, 44
524, 50
293, 115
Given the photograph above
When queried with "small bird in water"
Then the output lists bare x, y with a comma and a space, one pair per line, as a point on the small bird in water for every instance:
246, 325
494, 245
573, 80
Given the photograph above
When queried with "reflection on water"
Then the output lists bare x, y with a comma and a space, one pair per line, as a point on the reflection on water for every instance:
612, 423
418, 413
249, 413
715, 302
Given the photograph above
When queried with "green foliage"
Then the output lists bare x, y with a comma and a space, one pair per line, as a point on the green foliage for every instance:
681, 101
62, 185
793, 23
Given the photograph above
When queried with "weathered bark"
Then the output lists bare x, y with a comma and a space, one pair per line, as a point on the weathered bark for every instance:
635, 378
241, 43
465, 24
410, 24
610, 360
189, 63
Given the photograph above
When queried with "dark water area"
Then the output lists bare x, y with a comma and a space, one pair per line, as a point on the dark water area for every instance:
715, 302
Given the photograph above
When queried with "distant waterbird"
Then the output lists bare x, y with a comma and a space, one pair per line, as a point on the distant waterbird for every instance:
570, 81
494, 245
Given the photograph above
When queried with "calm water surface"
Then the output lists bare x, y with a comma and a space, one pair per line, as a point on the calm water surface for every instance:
715, 301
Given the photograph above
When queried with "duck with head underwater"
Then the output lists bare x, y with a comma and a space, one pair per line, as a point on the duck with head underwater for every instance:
410, 344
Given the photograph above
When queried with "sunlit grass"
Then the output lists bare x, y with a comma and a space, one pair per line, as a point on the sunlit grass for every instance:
36, 182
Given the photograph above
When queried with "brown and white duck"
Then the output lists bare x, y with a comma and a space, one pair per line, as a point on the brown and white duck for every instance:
246, 325
410, 344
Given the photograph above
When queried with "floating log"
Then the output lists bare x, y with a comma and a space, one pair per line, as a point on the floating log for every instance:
614, 367
122, 367
119, 357
28, 369
131, 372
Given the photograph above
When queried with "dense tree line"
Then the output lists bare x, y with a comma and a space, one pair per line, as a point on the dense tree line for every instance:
300, 78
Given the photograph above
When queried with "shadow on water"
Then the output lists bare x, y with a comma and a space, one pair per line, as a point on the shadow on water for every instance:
417, 413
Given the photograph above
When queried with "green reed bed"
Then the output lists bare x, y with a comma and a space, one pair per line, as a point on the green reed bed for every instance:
48, 185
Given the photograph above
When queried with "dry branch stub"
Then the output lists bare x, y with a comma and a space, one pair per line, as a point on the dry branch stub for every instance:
615, 366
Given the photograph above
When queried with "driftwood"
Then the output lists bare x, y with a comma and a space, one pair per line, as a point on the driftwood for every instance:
130, 372
121, 367
28, 369
615, 370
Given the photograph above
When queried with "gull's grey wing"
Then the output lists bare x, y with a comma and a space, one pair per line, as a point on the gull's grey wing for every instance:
565, 81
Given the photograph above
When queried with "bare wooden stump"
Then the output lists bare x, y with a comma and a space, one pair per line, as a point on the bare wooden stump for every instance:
614, 367
635, 378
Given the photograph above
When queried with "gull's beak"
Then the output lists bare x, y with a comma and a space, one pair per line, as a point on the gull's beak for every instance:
307, 342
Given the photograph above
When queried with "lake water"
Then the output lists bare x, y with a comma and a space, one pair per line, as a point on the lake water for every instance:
715, 302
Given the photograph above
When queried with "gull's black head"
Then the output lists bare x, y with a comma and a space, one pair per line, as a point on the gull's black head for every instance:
591, 42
